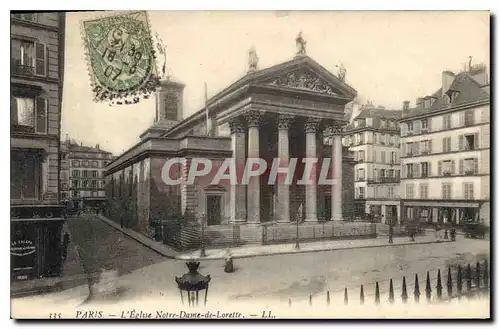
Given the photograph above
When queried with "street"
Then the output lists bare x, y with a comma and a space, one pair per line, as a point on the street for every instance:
145, 274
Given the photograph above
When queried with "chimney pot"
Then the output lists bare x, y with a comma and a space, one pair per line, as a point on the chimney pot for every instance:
406, 105
447, 78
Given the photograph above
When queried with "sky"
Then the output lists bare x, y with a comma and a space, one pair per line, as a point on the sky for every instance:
390, 57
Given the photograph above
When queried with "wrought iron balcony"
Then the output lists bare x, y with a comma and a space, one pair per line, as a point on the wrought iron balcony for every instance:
384, 180
18, 68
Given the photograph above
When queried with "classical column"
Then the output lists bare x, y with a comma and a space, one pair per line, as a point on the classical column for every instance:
283, 206
253, 188
311, 127
337, 173
238, 191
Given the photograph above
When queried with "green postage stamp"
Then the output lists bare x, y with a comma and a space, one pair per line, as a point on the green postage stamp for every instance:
120, 57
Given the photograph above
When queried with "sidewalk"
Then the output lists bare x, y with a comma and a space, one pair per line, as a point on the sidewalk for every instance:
159, 247
281, 249
72, 276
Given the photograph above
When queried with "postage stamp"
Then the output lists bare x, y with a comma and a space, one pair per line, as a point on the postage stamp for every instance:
120, 57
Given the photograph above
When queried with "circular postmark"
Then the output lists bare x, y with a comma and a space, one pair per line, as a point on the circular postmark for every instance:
121, 55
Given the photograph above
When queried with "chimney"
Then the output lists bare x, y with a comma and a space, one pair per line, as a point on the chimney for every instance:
447, 78
479, 74
406, 105
97, 146
419, 102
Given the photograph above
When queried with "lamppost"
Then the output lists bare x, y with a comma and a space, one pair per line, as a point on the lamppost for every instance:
299, 215
203, 252
193, 282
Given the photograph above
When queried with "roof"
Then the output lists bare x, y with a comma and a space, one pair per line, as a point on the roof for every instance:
73, 147
468, 89
381, 113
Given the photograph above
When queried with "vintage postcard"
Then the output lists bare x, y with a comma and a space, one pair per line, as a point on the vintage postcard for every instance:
250, 165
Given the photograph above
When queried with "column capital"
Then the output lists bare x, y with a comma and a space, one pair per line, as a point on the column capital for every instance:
311, 125
334, 129
236, 125
284, 121
253, 118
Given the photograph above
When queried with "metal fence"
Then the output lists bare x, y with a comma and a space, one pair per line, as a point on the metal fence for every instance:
465, 282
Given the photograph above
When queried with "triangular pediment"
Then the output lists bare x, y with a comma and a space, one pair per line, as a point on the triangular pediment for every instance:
306, 75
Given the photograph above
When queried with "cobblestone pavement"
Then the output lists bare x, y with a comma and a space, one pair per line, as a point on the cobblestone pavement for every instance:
144, 274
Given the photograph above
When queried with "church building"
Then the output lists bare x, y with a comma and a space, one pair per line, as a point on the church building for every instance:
291, 110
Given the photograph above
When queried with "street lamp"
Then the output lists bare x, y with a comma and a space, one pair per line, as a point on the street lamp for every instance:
299, 216
203, 220
192, 282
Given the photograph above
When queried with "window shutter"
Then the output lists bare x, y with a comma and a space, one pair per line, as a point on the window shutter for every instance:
430, 145
461, 142
444, 144
464, 188
13, 111
429, 169
403, 172
440, 168
40, 59
416, 126
453, 167
476, 166
417, 147
416, 170
404, 129
461, 167
403, 149
476, 141
41, 115
462, 119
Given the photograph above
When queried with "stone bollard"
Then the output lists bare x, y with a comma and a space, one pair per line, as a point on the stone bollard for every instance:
228, 263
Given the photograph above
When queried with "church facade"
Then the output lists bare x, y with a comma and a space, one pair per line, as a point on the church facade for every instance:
291, 110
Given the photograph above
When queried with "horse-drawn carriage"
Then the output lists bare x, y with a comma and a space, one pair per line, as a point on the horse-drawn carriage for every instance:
475, 230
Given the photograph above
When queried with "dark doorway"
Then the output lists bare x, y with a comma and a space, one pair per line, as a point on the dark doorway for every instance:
328, 207
213, 209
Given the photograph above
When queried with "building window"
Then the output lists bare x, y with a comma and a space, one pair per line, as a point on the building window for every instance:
85, 173
409, 149
426, 146
409, 191
94, 184
382, 156
393, 157
468, 142
94, 173
361, 156
383, 123
29, 58
446, 190
95, 164
361, 174
410, 127
85, 163
361, 138
30, 113
390, 191
361, 192
390, 172
409, 170
74, 184
76, 173
469, 117
469, 191
447, 121
446, 167
469, 166
75, 194
85, 184
447, 144
76, 163
424, 191
425, 169
425, 124
25, 175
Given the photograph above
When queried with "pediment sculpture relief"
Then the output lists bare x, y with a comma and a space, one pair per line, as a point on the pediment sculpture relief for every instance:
303, 80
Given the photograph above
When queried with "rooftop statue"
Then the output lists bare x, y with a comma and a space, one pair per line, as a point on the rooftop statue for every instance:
301, 45
253, 59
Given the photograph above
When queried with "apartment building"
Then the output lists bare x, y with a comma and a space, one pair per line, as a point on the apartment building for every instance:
84, 177
373, 137
36, 82
445, 149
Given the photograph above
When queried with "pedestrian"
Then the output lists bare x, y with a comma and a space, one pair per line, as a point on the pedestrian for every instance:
228, 262
391, 233
65, 245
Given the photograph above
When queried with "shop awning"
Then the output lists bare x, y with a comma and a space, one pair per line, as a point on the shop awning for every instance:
438, 204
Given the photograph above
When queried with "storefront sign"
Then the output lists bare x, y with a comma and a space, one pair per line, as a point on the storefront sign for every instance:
22, 248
